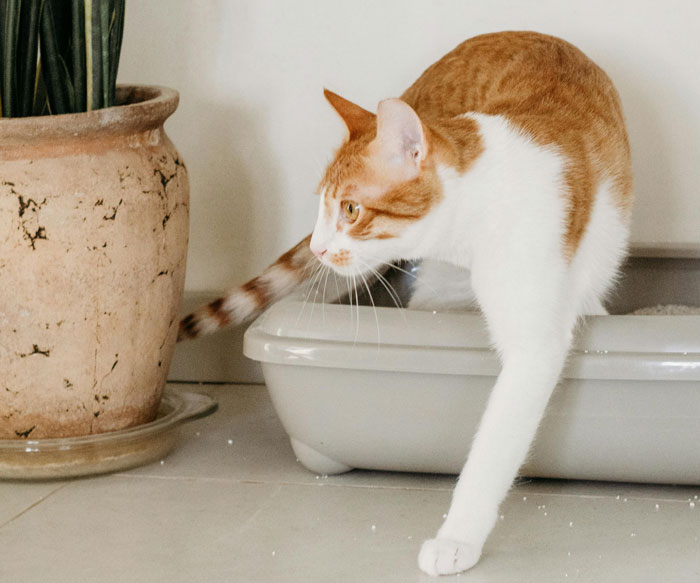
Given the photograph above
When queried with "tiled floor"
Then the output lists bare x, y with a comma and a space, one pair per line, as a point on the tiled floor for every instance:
245, 511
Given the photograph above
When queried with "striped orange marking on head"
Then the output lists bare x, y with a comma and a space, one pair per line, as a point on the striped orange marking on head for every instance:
358, 174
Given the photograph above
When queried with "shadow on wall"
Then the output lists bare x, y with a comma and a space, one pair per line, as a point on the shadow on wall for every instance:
652, 167
659, 186
233, 177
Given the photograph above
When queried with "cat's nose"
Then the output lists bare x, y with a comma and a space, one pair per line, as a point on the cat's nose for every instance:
318, 243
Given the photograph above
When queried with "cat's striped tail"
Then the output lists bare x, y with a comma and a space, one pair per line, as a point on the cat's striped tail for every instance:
246, 302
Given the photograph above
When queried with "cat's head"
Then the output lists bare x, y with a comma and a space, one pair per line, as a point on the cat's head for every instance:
377, 190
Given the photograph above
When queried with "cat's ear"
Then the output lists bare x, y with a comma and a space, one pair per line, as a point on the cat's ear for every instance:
400, 137
356, 119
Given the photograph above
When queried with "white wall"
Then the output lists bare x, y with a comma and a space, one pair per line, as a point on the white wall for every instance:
255, 131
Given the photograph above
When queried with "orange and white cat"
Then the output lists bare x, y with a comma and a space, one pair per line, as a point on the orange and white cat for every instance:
507, 158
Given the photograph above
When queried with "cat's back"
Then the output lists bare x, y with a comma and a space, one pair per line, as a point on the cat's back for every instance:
511, 73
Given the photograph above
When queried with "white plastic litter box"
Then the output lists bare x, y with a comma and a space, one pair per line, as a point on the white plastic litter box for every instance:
405, 391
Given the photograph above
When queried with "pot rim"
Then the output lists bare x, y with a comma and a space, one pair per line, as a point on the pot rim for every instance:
140, 108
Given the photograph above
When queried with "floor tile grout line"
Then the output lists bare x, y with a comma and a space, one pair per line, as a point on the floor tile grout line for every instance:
678, 500
279, 483
34, 504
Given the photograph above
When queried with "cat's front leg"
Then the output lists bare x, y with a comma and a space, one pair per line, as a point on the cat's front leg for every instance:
533, 335
508, 426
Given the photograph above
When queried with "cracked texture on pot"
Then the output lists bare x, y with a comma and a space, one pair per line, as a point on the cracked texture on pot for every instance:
93, 238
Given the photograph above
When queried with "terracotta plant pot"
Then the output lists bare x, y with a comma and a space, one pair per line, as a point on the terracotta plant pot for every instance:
93, 239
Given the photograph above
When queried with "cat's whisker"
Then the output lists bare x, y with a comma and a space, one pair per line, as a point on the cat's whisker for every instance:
371, 299
357, 309
390, 289
347, 284
309, 262
309, 279
307, 285
316, 287
393, 294
323, 297
313, 262
308, 271
317, 269
337, 288
418, 278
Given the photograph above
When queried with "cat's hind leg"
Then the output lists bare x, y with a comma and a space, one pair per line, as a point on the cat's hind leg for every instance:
593, 270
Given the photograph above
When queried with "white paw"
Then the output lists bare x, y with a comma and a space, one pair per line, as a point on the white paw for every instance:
441, 556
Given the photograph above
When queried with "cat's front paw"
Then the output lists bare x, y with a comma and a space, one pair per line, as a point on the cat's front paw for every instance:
442, 556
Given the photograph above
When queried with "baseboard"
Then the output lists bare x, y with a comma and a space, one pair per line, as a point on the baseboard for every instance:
217, 358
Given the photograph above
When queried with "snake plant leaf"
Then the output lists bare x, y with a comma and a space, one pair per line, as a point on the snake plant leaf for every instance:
77, 53
10, 24
41, 99
3, 12
105, 13
116, 34
52, 37
93, 39
3, 18
27, 55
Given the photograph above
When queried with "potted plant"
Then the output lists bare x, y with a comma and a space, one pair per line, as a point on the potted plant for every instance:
93, 226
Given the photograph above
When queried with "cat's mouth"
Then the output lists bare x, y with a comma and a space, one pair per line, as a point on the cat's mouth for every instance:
340, 259
345, 263
343, 267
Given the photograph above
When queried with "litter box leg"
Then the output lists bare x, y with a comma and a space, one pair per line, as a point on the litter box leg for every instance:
315, 461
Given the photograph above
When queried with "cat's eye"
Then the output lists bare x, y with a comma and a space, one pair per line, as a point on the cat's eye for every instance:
351, 210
